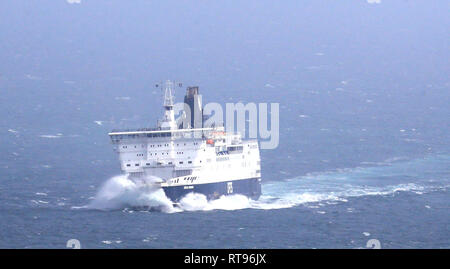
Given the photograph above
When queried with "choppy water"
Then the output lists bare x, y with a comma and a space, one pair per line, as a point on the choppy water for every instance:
403, 204
364, 121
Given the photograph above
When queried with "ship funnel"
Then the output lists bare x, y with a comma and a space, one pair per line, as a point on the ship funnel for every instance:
194, 101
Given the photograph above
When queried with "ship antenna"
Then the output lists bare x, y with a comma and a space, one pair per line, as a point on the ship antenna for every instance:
168, 94
168, 120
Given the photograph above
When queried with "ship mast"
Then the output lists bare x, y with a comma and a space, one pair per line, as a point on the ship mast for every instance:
168, 122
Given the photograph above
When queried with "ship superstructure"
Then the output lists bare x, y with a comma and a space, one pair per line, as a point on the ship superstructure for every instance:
190, 157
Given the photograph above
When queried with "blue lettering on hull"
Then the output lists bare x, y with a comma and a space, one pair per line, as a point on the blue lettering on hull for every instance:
250, 187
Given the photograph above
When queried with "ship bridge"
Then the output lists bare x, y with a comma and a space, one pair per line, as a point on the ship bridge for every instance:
117, 136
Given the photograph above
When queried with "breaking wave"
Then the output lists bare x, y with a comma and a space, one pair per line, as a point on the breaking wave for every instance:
120, 192
315, 189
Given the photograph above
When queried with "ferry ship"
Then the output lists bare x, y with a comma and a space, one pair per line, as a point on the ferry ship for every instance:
187, 156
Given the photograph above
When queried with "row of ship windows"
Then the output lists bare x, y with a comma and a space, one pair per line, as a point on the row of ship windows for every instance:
162, 153
181, 152
244, 164
159, 145
166, 145
136, 164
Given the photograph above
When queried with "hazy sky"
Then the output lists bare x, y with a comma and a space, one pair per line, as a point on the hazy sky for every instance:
217, 42
64, 65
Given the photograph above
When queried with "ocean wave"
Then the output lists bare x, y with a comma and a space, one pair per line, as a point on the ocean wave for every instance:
314, 189
120, 192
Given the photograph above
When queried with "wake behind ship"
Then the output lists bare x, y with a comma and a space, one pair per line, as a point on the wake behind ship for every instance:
188, 156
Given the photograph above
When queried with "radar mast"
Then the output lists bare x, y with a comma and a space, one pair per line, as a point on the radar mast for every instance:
168, 122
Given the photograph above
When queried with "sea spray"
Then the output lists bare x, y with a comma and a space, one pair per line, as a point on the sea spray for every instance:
120, 192
314, 190
196, 202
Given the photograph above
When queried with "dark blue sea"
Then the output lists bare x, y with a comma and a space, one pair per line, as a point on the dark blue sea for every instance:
364, 95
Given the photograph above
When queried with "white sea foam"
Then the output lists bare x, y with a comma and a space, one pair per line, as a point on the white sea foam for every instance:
124, 98
51, 136
314, 190
39, 202
195, 202
120, 192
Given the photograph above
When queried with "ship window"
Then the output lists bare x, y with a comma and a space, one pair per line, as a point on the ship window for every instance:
147, 163
170, 162
189, 161
136, 164
181, 162
128, 165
